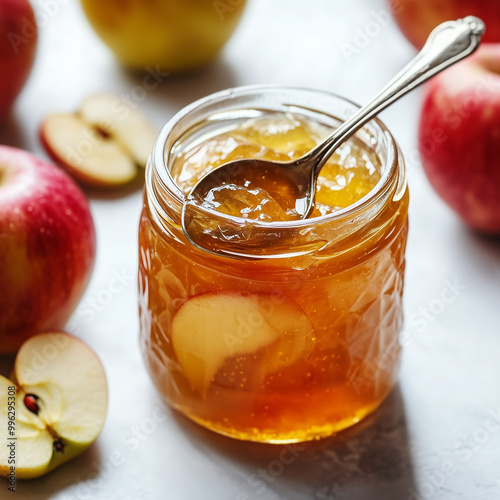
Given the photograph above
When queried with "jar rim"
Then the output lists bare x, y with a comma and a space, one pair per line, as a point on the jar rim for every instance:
388, 181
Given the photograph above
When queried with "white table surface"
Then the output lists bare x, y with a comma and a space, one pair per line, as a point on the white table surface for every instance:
432, 438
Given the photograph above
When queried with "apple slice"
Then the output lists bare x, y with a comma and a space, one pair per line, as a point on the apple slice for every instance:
126, 125
103, 144
210, 328
91, 157
60, 403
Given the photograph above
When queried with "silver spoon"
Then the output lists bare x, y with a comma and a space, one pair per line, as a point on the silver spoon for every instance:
447, 44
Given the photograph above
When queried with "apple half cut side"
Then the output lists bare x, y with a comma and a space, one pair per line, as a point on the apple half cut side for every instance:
91, 157
60, 403
210, 328
128, 126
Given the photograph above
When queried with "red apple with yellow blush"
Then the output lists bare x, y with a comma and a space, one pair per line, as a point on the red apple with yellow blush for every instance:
47, 247
417, 18
459, 138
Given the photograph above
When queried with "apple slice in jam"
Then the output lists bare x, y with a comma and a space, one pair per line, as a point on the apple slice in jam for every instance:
210, 328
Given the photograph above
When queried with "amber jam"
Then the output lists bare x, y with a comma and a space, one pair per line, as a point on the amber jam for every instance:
295, 336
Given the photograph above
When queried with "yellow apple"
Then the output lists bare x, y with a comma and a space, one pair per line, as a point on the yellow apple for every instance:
171, 35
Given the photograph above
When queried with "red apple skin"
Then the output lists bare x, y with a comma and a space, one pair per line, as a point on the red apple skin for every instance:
417, 18
18, 41
459, 138
47, 247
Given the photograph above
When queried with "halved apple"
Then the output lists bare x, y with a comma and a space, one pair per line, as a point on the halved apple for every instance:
126, 125
60, 403
210, 328
103, 144
89, 156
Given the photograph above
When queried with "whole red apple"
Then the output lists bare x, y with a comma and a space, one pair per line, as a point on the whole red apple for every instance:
417, 18
459, 137
18, 39
47, 247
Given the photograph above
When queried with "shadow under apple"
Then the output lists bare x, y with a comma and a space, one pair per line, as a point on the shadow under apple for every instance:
481, 251
181, 90
11, 132
7, 364
82, 474
109, 195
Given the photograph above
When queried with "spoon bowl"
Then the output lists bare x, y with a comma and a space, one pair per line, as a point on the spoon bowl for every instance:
287, 183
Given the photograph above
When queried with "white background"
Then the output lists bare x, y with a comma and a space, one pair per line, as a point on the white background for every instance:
431, 435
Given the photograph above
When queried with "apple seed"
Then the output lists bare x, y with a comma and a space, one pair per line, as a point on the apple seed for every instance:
59, 446
31, 402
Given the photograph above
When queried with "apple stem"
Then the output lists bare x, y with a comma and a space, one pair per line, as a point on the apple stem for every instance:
31, 402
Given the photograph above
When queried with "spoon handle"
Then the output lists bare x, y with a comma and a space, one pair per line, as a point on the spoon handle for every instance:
447, 44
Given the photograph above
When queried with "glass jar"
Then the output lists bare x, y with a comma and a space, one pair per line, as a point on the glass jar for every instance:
300, 337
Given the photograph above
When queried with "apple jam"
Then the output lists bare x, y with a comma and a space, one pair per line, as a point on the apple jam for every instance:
295, 336
351, 173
